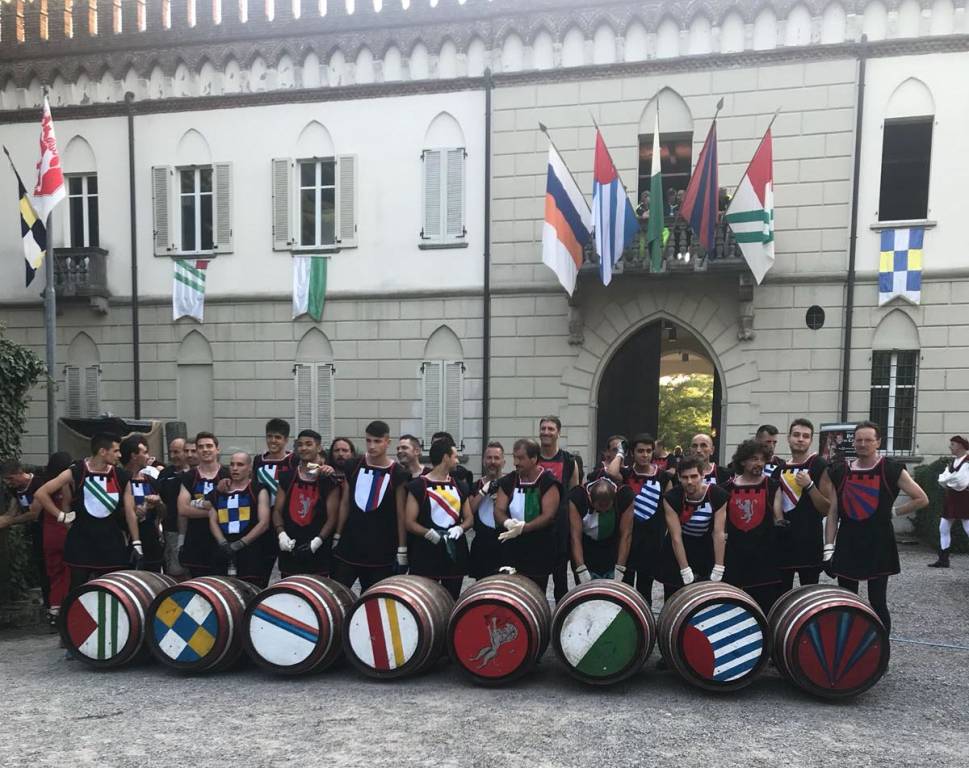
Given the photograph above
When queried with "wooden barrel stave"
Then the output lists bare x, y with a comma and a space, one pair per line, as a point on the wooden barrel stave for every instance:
499, 629
296, 626
603, 632
714, 636
828, 641
103, 621
414, 610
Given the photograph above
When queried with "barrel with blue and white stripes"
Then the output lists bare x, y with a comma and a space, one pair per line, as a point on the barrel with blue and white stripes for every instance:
714, 636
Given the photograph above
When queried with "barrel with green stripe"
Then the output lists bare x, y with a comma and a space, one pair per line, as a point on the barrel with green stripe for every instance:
103, 621
603, 632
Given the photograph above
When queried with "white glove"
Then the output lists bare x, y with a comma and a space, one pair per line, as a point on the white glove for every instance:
455, 532
402, 557
197, 503
316, 544
433, 536
717, 573
181, 540
66, 517
336, 540
619, 573
828, 552
583, 575
513, 529
286, 544
136, 546
687, 575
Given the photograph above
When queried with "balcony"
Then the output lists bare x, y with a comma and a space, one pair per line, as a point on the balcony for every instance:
81, 273
682, 253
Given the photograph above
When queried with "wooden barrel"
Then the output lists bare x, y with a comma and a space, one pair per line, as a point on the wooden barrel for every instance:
828, 641
499, 629
714, 635
296, 626
603, 632
196, 624
103, 621
396, 628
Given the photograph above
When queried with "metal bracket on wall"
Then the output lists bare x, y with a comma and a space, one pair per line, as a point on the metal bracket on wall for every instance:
745, 308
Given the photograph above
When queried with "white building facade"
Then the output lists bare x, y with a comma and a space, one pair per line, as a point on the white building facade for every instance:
363, 138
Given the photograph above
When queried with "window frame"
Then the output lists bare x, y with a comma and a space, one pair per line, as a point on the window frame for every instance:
318, 188
929, 121
443, 405
891, 389
197, 195
86, 197
444, 238
327, 430
286, 204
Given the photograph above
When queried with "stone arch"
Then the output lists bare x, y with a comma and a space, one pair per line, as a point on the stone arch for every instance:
732, 33
158, 86
83, 89
447, 59
443, 344
363, 69
512, 53
79, 157
258, 75
58, 90
833, 24
896, 330
573, 48
875, 21
797, 28
193, 149
231, 76
108, 87
194, 349
675, 115
133, 83
315, 141
336, 68
635, 42
604, 43
183, 82
393, 67
285, 72
314, 347
909, 18
418, 62
477, 57
765, 29
208, 79
82, 351
912, 98
700, 38
310, 70
444, 131
543, 50
667, 39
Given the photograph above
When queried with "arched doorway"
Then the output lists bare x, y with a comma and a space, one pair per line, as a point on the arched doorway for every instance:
661, 380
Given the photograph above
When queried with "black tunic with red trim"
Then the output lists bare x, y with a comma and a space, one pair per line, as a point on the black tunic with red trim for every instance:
801, 545
865, 546
148, 528
562, 467
96, 539
751, 557
649, 520
199, 550
533, 553
236, 514
304, 515
438, 507
369, 537
486, 550
600, 530
696, 528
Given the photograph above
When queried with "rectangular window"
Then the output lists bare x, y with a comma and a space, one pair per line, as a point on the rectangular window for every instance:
82, 211
443, 404
894, 386
317, 203
313, 384
443, 197
82, 391
676, 164
195, 205
906, 152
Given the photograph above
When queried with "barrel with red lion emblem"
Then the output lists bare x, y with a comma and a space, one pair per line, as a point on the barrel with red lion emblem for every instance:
499, 629
828, 641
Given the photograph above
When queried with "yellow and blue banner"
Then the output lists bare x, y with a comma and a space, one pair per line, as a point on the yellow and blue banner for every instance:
900, 265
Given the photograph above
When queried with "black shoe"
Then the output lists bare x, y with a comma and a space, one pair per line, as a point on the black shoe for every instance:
943, 561
661, 665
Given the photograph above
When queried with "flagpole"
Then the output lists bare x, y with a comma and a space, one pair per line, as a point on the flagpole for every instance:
50, 329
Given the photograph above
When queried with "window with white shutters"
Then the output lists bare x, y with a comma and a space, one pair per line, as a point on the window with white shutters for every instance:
314, 398
443, 394
442, 199
82, 396
314, 203
192, 209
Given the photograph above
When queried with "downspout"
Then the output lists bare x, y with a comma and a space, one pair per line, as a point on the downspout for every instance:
129, 99
853, 236
486, 298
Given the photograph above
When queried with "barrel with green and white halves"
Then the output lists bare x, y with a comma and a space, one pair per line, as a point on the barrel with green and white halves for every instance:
603, 631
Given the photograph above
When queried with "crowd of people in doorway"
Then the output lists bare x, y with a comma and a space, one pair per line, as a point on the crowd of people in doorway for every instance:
641, 515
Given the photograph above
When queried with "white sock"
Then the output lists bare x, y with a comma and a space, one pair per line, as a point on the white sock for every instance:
945, 537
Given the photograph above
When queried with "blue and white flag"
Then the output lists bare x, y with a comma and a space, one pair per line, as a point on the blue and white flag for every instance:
612, 214
900, 265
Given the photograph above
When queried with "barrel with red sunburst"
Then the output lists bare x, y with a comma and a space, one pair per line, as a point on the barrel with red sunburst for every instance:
397, 627
828, 641
603, 632
296, 625
714, 635
499, 629
103, 621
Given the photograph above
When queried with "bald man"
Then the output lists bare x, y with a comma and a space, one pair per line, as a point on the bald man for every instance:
702, 447
239, 521
169, 483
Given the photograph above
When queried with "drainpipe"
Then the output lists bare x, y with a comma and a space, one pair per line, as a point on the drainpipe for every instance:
486, 298
129, 99
853, 236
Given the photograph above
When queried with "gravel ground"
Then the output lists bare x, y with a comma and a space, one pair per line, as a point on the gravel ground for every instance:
59, 713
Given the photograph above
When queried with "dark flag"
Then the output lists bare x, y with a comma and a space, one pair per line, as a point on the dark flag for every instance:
32, 230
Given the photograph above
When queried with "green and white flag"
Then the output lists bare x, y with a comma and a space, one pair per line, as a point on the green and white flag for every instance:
655, 227
309, 286
751, 212
188, 291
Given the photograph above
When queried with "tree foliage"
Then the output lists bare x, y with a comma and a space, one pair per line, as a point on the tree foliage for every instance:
20, 369
685, 407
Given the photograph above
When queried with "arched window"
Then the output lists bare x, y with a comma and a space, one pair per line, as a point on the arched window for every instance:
443, 375
443, 161
194, 393
313, 384
894, 381
676, 143
80, 215
906, 153
82, 379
